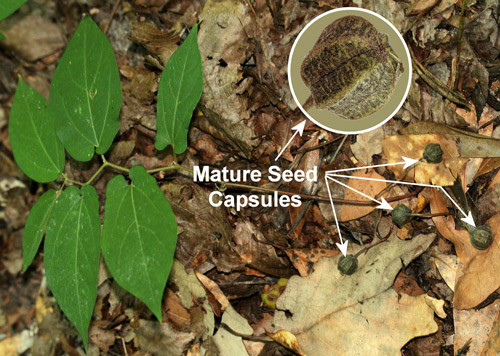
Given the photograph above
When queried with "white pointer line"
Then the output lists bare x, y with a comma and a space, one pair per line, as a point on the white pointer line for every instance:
284, 148
299, 129
381, 204
343, 244
407, 162
468, 217
333, 208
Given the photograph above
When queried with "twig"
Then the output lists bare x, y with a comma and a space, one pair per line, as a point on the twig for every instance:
246, 337
111, 15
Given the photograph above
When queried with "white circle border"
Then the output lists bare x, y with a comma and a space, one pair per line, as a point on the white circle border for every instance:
290, 67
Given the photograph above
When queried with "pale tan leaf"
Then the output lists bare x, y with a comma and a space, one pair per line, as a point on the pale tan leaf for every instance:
447, 266
492, 347
474, 325
332, 314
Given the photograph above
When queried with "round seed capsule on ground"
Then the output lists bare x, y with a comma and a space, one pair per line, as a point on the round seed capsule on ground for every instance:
433, 153
482, 237
348, 264
401, 215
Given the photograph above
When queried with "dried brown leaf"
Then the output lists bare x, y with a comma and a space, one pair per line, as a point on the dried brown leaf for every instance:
412, 146
481, 274
372, 188
446, 227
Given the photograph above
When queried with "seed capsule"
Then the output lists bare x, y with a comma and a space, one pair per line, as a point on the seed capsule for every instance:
401, 215
348, 264
433, 153
352, 69
482, 237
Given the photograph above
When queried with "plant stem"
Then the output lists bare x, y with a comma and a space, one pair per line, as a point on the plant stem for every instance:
177, 166
105, 164
67, 179
115, 166
429, 215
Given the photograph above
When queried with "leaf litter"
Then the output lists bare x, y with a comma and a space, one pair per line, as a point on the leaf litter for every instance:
244, 118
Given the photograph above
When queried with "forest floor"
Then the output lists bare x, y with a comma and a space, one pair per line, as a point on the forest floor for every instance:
423, 291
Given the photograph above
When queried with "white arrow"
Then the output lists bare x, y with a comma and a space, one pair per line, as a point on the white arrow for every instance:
299, 129
467, 217
383, 204
343, 244
408, 162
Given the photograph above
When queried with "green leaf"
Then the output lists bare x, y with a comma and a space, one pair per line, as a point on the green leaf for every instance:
36, 148
7, 7
179, 91
72, 245
35, 226
2, 37
139, 236
85, 94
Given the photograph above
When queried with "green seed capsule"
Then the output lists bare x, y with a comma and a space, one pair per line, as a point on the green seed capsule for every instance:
401, 215
481, 238
433, 153
348, 264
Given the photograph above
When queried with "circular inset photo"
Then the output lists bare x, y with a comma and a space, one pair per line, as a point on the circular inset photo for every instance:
349, 70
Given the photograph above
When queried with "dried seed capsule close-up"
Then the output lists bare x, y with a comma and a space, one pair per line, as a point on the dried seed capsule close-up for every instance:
352, 69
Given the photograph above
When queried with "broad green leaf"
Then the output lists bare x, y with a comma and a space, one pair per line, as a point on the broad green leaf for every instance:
36, 148
72, 245
85, 94
7, 7
179, 91
35, 226
2, 37
139, 236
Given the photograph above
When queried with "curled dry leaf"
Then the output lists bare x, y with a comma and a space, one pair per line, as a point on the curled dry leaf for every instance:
412, 146
288, 340
214, 289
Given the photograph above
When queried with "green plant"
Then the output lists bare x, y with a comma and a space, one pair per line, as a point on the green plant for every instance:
7, 7
139, 232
